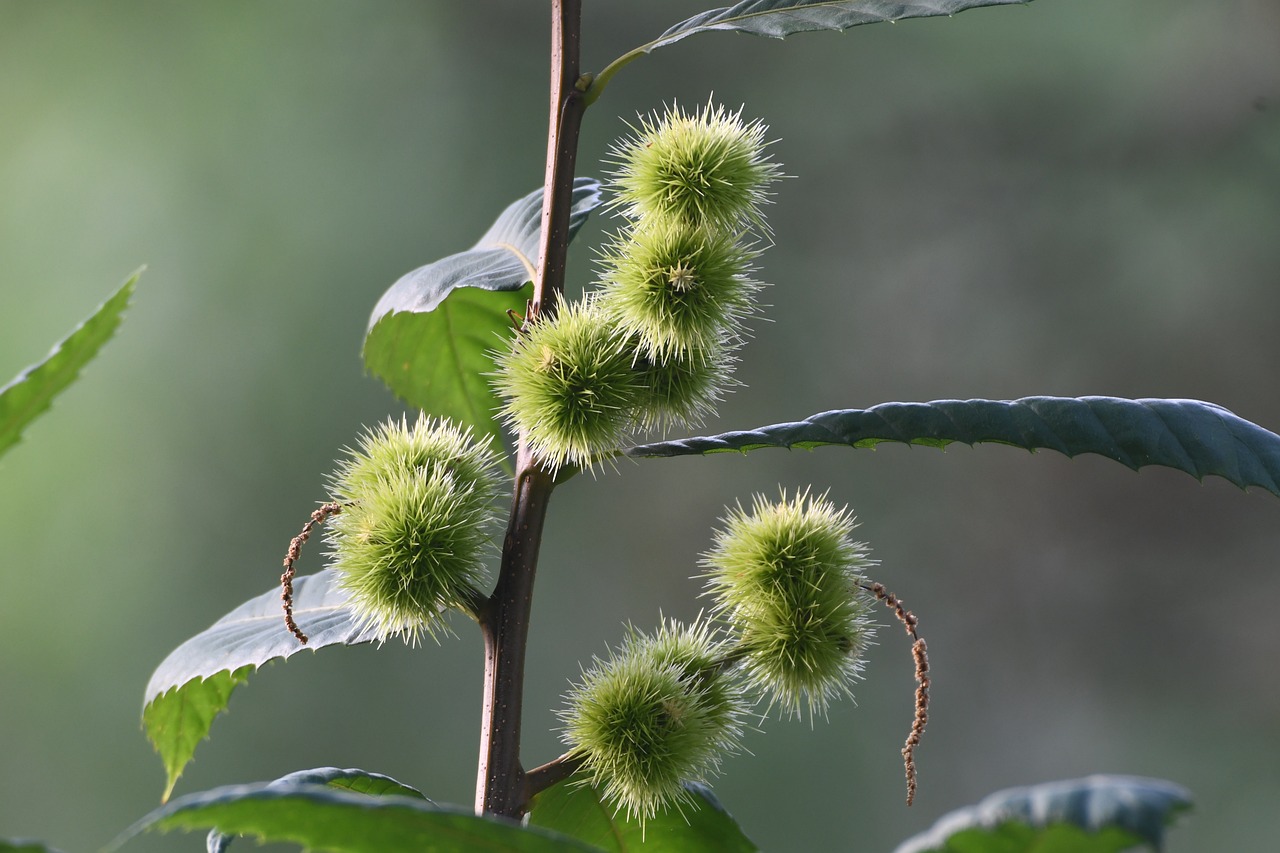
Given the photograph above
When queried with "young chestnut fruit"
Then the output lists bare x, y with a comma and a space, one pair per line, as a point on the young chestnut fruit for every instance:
569, 385
661, 711
788, 577
704, 169
410, 542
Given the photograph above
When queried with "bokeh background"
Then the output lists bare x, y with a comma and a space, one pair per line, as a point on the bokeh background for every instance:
1066, 198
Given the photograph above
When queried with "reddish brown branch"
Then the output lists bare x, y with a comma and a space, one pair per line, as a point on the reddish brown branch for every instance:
291, 557
920, 652
553, 772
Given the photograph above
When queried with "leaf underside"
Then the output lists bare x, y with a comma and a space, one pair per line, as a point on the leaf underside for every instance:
33, 390
194, 683
1097, 814
1201, 439
432, 333
782, 18
357, 781
322, 818
700, 826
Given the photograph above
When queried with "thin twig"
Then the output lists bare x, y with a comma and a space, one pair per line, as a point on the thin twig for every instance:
291, 557
556, 770
920, 653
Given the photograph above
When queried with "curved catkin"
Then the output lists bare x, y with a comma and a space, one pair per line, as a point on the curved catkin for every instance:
661, 711
413, 534
704, 169
786, 576
569, 387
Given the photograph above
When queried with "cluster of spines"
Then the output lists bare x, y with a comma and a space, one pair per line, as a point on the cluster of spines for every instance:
417, 509
788, 578
675, 288
791, 626
661, 711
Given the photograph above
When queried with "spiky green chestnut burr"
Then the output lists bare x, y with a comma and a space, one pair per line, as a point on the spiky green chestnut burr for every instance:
661, 711
430, 443
568, 385
787, 577
411, 539
677, 288
705, 169
685, 388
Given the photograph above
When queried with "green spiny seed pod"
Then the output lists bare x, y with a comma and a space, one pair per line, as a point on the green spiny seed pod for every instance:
394, 446
676, 287
414, 530
569, 385
659, 712
706, 169
685, 388
787, 577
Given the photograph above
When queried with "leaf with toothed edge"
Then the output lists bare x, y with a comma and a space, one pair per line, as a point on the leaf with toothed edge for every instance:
33, 390
194, 683
431, 334
699, 826
1201, 439
1097, 814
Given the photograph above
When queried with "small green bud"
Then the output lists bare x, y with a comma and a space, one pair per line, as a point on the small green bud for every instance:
705, 169
787, 577
677, 288
412, 537
659, 712
569, 385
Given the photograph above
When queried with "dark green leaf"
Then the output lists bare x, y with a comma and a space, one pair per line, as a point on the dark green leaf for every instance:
31, 392
359, 781
194, 683
781, 18
700, 826
431, 334
1098, 814
1199, 438
321, 818
18, 845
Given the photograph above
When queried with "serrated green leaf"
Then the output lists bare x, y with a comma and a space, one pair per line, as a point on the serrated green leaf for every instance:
33, 390
18, 845
321, 818
1097, 814
194, 683
699, 826
781, 18
1199, 438
357, 781
431, 334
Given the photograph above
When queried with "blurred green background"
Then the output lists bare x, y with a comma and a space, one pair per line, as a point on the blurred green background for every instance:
1068, 198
